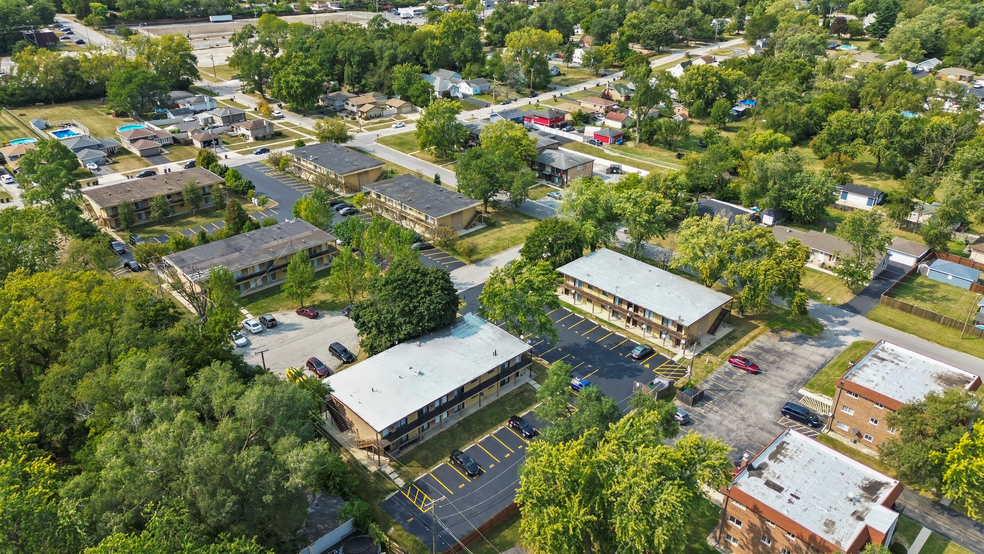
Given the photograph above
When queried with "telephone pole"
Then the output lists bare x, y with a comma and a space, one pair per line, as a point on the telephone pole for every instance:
433, 508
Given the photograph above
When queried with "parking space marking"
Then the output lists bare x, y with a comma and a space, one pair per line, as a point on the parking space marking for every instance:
419, 498
590, 374
503, 444
441, 483
565, 317
592, 329
579, 365
539, 343
605, 337
552, 311
619, 344
578, 323
487, 452
561, 358
549, 351
517, 435
649, 358
465, 477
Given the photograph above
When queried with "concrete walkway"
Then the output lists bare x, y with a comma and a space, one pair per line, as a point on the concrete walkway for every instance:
471, 275
920, 540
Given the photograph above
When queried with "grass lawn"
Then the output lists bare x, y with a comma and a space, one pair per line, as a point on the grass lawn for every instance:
825, 382
656, 154
503, 537
394, 170
180, 152
614, 156
938, 545
939, 297
572, 76
926, 329
434, 450
873, 463
273, 300
510, 229
87, 112
11, 128
187, 221
404, 142
221, 73
540, 191
906, 531
822, 286
125, 161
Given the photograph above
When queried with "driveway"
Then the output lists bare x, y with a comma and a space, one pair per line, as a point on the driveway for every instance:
297, 338
436, 257
868, 298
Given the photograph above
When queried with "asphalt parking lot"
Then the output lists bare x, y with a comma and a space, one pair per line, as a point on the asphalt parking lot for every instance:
296, 338
439, 258
468, 501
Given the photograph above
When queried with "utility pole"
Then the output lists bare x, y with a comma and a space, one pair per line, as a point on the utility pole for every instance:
975, 305
433, 508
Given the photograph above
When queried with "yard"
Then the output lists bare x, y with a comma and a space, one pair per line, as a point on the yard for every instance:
942, 298
90, 113
572, 76
180, 153
609, 154
273, 300
124, 161
826, 288
825, 382
221, 72
540, 191
656, 154
12, 129
404, 142
508, 230
926, 329
187, 221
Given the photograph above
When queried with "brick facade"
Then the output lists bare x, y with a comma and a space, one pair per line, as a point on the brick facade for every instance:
743, 530
861, 414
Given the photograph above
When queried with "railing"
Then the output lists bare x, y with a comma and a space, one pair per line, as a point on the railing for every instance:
629, 313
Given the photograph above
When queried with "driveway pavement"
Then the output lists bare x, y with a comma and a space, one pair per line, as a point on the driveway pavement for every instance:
297, 338
439, 258
475, 274
868, 298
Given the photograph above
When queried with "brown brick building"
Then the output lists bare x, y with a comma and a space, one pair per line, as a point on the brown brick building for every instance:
102, 204
801, 497
884, 379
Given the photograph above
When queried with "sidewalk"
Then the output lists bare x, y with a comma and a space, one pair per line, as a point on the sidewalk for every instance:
471, 275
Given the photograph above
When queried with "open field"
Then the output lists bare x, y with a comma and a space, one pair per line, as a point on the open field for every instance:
825, 382
404, 142
87, 112
826, 288
926, 329
273, 300
572, 76
510, 229
222, 72
607, 154
12, 128
939, 297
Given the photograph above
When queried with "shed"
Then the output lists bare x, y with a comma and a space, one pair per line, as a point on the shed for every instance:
609, 136
906, 252
690, 397
39, 124
772, 216
953, 274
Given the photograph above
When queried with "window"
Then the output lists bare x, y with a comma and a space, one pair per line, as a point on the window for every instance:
734, 521
791, 536
766, 541
868, 437
847, 410
842, 426
870, 202
667, 322
844, 195
770, 523
851, 394
733, 540
891, 430
879, 406
737, 504
872, 421
786, 551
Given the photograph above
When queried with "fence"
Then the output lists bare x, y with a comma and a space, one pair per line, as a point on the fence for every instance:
844, 207
932, 316
960, 260
477, 533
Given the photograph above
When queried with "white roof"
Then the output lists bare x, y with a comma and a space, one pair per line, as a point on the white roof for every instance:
647, 286
820, 489
905, 375
397, 382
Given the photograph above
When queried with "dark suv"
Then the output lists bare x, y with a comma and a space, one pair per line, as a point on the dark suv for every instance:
465, 463
337, 350
522, 426
268, 321
799, 413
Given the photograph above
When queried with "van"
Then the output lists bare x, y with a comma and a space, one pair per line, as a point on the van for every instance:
337, 350
799, 413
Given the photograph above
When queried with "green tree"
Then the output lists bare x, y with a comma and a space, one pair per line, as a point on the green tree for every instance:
554, 395
331, 130
554, 240
499, 165
645, 214
521, 294
137, 92
178, 242
49, 174
650, 91
350, 275
404, 303
665, 132
236, 218
439, 129
531, 47
864, 231
160, 208
963, 472
297, 80
459, 39
315, 209
589, 202
720, 113
90, 254
191, 193
808, 195
127, 215
885, 16
171, 57
300, 278
936, 233
409, 85
708, 84
206, 158
31, 241
838, 26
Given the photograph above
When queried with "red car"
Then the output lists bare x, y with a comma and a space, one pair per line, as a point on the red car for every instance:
317, 367
310, 313
744, 364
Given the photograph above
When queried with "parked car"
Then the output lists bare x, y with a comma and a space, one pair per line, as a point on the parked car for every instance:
399, 125
556, 195
92, 166
317, 367
7, 179
744, 364
593, 142
680, 155
348, 210
335, 202
118, 247
533, 94
801, 414
252, 326
505, 102
522, 426
130, 265
79, 41
259, 151
136, 240
682, 417
465, 463
701, 143
189, 119
278, 113
342, 205
577, 383
239, 340
145, 173
188, 164
422, 246
309, 313
268, 321
347, 311
69, 32
642, 352
568, 128
337, 350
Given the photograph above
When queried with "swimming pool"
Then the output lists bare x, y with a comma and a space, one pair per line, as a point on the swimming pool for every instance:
23, 141
130, 128
848, 47
64, 133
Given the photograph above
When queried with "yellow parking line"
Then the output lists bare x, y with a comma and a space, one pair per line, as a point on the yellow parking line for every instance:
578, 323
605, 337
561, 358
590, 374
504, 444
649, 358
539, 343
549, 351
579, 365
552, 311
442, 484
517, 434
620, 344
592, 329
565, 317
459, 473
487, 452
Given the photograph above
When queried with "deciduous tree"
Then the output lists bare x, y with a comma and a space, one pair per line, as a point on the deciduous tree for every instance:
137, 92
554, 240
589, 202
160, 208
350, 275
963, 471
30, 241
331, 130
300, 278
520, 294
864, 231
439, 129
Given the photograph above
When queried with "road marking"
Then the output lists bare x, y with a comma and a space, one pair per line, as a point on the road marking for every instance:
649, 358
561, 358
579, 365
441, 483
592, 329
487, 452
619, 344
578, 323
565, 317
504, 444
539, 343
459, 473
590, 374
549, 351
518, 435
604, 337
552, 311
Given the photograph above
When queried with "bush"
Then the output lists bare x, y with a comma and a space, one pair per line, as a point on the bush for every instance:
284, 164
468, 249
261, 200
274, 158
299, 143
268, 222
445, 237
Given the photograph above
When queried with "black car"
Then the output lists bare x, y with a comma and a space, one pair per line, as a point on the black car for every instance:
701, 143
422, 246
801, 414
337, 350
79, 41
680, 155
533, 95
145, 173
342, 206
188, 164
136, 240
259, 151
118, 247
132, 266
347, 311
641, 352
335, 201
268, 321
522, 426
465, 462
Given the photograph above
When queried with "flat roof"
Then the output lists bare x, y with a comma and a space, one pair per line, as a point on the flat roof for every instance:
822, 490
642, 284
148, 187
423, 196
336, 158
274, 242
906, 375
957, 270
397, 382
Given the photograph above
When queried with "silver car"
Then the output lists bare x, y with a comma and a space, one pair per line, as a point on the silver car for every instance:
252, 326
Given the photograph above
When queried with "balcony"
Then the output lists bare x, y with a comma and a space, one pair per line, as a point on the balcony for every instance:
630, 313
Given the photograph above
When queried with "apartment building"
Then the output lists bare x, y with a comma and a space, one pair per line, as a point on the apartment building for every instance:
347, 169
102, 204
421, 205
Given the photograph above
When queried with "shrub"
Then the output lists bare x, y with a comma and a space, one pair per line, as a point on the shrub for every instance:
274, 158
268, 222
468, 249
445, 237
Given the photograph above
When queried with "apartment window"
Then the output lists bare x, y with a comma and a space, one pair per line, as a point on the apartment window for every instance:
577, 283
770, 523
667, 322
737, 504
766, 541
791, 536
847, 410
891, 430
402, 422
868, 437
879, 406
786, 551
842, 426
851, 394
734, 521
734, 541
872, 421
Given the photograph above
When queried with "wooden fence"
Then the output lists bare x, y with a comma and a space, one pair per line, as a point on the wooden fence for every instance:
928, 315
967, 262
473, 536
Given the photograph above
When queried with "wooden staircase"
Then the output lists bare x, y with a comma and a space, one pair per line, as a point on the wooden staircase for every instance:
717, 322
337, 417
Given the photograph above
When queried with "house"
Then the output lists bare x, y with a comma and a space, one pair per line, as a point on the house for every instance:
370, 111
928, 65
705, 60
95, 156
512, 114
195, 102
179, 113
825, 249
976, 247
78, 144
906, 252
594, 103
864, 58
206, 139
345, 169
475, 129
717, 208
798, 495
858, 196
254, 129
547, 118
955, 74
445, 80
678, 69
772, 216
617, 120
15, 152
561, 166
739, 112
554, 70
609, 136
355, 103
617, 92
421, 205
145, 141
885, 378
397, 106
335, 101
40, 39
681, 110
546, 141
257, 259
102, 204
578, 57
911, 66
182, 131
471, 87
403, 395
953, 274
228, 116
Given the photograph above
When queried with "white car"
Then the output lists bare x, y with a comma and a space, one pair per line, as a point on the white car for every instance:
278, 113
252, 326
92, 166
7, 179
239, 340
189, 119
398, 125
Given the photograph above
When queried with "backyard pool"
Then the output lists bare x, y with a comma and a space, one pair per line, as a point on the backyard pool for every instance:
23, 141
129, 128
848, 47
64, 133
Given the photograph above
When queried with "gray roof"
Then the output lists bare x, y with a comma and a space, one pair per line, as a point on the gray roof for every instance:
221, 112
180, 94
87, 154
820, 489
905, 375
610, 133
957, 270
109, 143
718, 208
561, 159
549, 113
956, 71
75, 143
480, 81
867, 192
397, 382
141, 189
511, 114
324, 515
545, 141
178, 112
277, 242
823, 242
647, 286
475, 127
909, 247
424, 196
446, 74
336, 158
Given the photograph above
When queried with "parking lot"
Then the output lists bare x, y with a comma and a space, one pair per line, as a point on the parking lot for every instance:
296, 338
467, 501
439, 258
